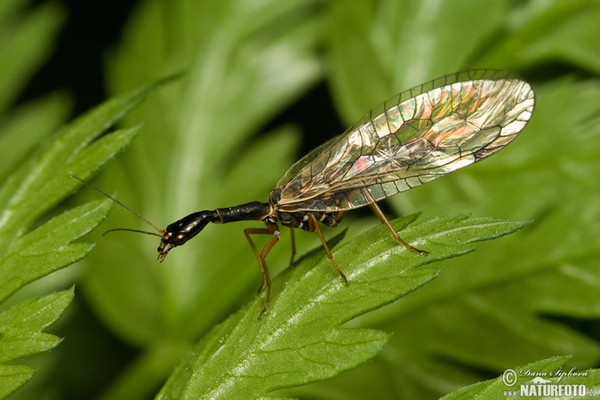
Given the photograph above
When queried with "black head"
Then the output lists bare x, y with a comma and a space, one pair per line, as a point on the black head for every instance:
179, 232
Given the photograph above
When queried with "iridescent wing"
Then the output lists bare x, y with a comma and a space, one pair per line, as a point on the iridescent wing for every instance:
413, 138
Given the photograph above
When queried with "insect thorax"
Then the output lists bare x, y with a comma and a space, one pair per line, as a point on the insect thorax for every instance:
300, 219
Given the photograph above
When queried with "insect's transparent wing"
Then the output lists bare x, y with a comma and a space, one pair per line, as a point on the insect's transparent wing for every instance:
411, 139
299, 165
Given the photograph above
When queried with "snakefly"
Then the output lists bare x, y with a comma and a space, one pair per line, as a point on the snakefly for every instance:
413, 138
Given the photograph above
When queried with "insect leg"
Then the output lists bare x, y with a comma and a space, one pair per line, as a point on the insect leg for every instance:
271, 229
293, 238
385, 221
314, 226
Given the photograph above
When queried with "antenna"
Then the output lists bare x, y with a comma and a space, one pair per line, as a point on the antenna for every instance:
97, 189
132, 230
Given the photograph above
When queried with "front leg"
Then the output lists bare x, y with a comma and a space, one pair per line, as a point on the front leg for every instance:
271, 229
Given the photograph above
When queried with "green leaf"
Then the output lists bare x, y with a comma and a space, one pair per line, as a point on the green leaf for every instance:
13, 377
33, 245
43, 181
35, 239
21, 324
552, 32
554, 371
48, 248
26, 126
20, 335
31, 252
300, 340
25, 42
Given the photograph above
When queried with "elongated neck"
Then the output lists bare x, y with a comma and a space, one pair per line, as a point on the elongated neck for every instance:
254, 210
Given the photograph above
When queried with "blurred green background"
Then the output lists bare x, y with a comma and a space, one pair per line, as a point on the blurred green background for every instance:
265, 81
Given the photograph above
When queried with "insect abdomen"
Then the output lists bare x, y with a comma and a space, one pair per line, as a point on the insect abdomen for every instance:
300, 219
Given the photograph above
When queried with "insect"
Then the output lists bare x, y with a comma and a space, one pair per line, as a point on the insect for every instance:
413, 138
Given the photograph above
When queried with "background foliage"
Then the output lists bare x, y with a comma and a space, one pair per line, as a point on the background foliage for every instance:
215, 138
